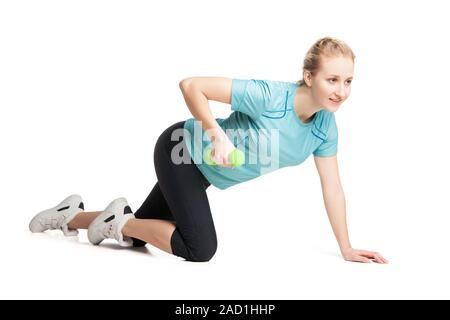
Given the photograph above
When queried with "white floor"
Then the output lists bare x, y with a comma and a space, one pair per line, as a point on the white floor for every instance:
270, 253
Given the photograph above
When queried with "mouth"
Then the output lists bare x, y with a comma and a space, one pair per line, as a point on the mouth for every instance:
336, 101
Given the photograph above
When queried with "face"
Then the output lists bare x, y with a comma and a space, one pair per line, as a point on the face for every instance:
331, 85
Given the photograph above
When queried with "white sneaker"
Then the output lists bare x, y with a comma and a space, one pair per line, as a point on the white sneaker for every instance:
58, 217
109, 224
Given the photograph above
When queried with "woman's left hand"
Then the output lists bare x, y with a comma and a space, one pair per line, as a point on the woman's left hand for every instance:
363, 256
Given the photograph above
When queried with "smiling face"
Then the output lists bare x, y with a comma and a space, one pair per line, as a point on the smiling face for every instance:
331, 84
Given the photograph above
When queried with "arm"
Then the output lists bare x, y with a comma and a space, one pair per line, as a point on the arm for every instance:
196, 92
334, 199
194, 89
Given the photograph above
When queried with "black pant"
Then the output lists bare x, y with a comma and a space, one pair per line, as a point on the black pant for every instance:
180, 196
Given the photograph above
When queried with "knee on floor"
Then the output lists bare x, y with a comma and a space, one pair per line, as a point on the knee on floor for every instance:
204, 252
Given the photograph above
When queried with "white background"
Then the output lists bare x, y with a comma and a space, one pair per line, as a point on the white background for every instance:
86, 87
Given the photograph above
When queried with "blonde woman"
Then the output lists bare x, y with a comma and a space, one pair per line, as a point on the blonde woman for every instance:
293, 120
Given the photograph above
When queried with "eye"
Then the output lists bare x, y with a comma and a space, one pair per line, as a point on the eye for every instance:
349, 81
331, 80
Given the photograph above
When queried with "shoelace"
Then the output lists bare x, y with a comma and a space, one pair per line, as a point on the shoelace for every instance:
57, 222
54, 222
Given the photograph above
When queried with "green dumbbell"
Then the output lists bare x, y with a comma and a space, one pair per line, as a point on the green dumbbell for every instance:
236, 158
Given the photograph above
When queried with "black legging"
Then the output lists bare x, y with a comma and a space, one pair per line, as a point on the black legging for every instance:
180, 196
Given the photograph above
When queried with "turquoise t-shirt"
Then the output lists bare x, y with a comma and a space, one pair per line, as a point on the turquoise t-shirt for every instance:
265, 126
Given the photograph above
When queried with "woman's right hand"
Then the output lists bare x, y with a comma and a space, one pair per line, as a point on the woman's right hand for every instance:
222, 147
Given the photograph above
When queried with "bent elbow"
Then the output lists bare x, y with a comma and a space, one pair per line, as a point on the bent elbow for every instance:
184, 84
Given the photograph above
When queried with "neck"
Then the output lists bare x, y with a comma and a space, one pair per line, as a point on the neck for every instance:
304, 104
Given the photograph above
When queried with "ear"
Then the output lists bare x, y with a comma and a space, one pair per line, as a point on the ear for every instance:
307, 78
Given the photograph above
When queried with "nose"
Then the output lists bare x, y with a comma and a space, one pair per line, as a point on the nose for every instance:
340, 93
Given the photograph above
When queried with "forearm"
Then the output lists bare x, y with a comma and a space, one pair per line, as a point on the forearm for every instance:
334, 200
198, 105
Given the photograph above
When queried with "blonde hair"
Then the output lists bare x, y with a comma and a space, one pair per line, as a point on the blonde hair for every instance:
329, 47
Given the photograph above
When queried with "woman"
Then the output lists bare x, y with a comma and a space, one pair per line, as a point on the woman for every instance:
176, 216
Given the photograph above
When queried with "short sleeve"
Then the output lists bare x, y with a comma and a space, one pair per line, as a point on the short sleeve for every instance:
250, 96
328, 147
